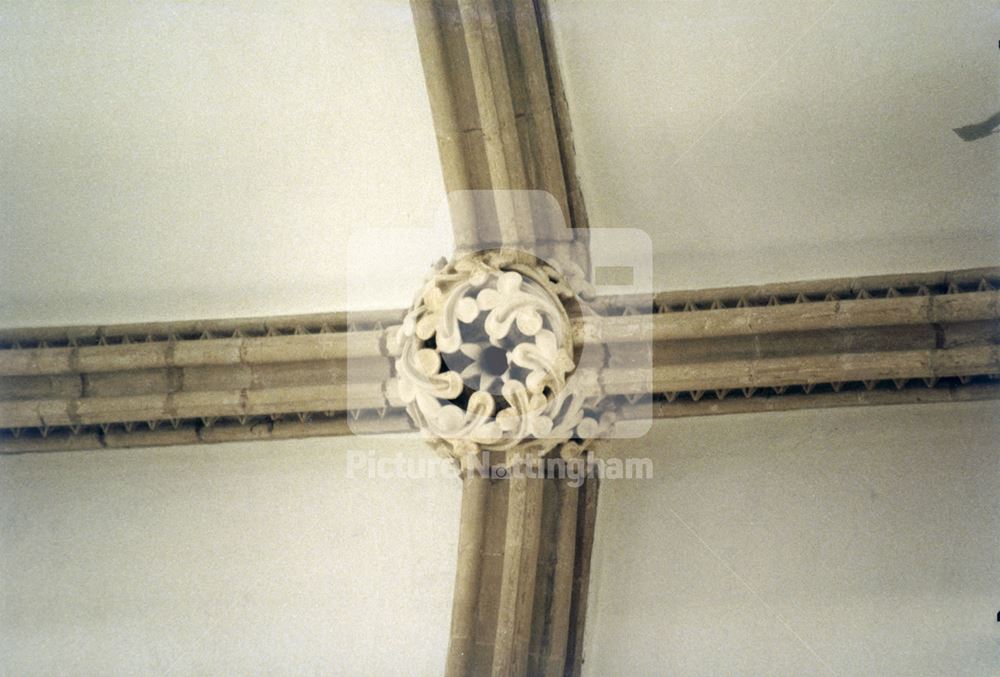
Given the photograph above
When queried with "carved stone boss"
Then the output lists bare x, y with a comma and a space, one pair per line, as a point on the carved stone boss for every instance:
486, 360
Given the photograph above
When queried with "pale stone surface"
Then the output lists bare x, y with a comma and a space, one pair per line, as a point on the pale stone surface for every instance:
787, 139
229, 559
848, 542
197, 160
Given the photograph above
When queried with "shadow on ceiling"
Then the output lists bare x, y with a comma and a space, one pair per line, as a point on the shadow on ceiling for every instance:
980, 130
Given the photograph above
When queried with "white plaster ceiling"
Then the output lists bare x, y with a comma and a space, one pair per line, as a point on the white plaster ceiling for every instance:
169, 160
789, 139
859, 541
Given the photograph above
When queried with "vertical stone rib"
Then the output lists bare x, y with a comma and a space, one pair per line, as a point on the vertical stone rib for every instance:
468, 575
502, 125
544, 577
586, 521
492, 573
560, 111
543, 139
518, 577
554, 580
496, 117
552, 658
491, 86
441, 71
517, 583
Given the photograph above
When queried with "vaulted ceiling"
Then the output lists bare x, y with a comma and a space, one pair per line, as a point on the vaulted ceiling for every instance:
188, 160
789, 139
169, 160
165, 161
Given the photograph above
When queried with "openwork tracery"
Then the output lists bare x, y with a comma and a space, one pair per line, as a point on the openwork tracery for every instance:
486, 358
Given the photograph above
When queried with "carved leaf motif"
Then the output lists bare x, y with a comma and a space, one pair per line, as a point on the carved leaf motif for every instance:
476, 303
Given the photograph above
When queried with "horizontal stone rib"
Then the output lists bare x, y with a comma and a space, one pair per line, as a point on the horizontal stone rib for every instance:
804, 369
189, 379
817, 316
208, 403
190, 433
311, 323
855, 398
847, 287
192, 353
902, 342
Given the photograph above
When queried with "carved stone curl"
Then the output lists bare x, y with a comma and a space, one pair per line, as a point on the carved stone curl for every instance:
486, 358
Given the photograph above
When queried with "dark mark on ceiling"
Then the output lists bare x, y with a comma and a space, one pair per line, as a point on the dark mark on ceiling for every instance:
980, 130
